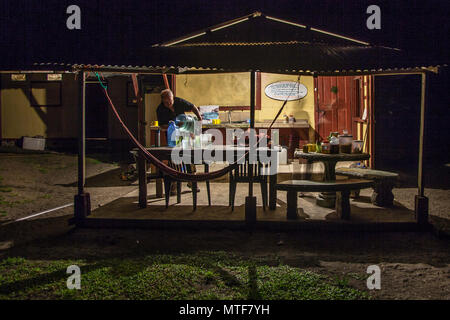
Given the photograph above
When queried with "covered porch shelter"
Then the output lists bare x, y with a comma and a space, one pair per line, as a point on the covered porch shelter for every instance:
207, 52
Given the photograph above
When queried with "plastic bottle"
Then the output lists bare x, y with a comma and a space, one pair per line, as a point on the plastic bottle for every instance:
171, 134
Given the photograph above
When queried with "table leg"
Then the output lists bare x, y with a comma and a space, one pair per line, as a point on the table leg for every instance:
159, 188
159, 182
343, 205
291, 205
328, 199
142, 172
272, 192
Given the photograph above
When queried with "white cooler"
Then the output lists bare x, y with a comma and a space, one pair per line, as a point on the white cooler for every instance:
281, 154
33, 143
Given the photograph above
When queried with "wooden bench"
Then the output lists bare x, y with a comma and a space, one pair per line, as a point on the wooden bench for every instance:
341, 187
384, 182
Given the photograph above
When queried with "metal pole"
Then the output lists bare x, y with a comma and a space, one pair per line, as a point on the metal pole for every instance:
420, 182
82, 201
250, 201
81, 133
421, 202
252, 128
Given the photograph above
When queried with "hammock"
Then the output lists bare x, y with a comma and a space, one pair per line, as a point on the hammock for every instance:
177, 175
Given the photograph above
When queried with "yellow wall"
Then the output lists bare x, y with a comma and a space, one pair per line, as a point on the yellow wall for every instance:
226, 89
300, 109
234, 90
19, 118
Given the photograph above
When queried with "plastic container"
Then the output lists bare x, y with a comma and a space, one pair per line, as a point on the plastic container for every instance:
334, 145
311, 147
326, 147
281, 155
172, 134
357, 146
345, 142
305, 148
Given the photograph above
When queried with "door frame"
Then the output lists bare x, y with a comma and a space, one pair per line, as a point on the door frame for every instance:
355, 116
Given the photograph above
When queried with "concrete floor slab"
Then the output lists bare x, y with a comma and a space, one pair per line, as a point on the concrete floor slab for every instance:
127, 207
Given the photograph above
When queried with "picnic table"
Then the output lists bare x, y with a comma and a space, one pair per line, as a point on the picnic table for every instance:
328, 199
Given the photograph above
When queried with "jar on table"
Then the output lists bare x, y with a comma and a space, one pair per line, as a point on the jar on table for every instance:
326, 146
311, 147
334, 145
345, 142
357, 146
334, 134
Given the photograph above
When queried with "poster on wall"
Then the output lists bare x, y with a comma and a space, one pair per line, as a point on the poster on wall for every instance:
286, 90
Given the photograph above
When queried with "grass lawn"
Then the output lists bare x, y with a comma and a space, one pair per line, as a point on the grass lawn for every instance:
203, 275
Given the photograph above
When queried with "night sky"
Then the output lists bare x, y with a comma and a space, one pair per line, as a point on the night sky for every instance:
35, 30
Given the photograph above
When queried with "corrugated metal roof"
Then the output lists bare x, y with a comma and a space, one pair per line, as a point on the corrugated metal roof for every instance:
257, 28
260, 43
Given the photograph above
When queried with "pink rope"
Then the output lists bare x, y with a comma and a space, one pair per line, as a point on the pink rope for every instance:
177, 175
161, 165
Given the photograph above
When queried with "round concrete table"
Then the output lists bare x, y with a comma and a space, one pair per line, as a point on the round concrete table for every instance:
328, 199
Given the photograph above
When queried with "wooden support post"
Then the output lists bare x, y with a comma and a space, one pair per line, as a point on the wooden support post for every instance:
82, 203
421, 210
142, 163
250, 201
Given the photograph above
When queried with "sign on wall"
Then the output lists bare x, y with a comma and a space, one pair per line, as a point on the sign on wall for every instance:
286, 90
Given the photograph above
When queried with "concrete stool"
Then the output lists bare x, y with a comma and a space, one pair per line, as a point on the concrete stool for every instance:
384, 182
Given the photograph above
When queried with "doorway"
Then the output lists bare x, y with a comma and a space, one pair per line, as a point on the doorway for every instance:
96, 112
336, 102
397, 121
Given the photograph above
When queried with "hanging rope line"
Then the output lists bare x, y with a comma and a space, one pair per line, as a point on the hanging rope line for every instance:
177, 175
100, 81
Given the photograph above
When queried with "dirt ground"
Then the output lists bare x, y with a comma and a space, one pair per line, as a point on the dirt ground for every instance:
413, 265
